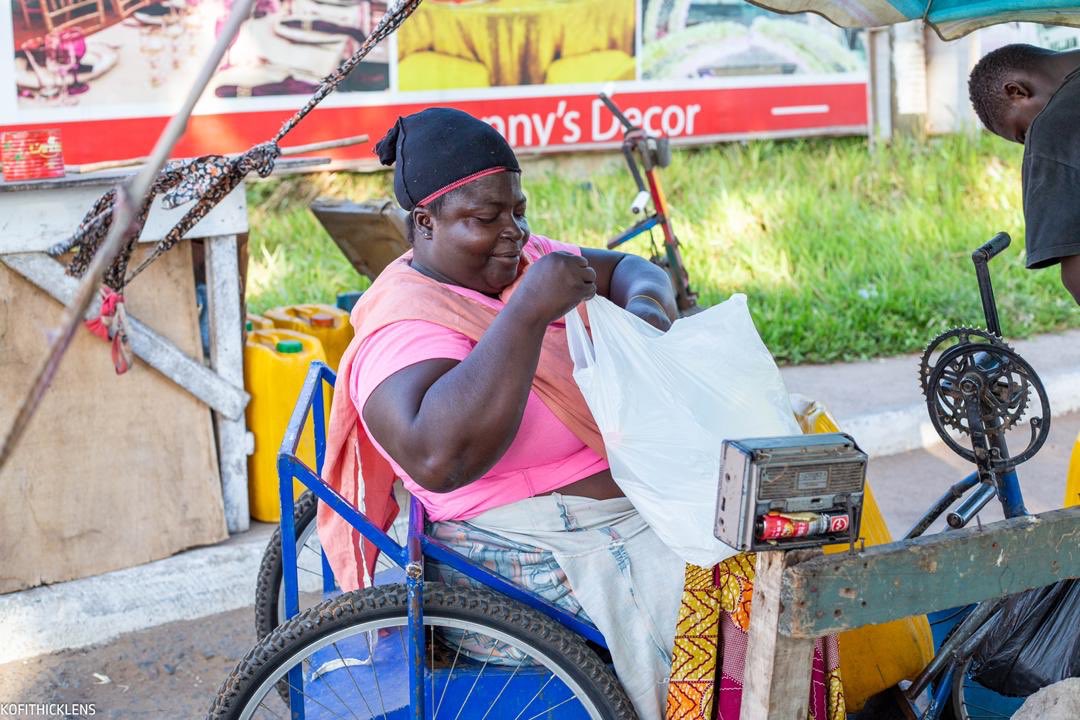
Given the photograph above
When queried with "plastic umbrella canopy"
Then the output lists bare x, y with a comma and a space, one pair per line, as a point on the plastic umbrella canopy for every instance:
950, 18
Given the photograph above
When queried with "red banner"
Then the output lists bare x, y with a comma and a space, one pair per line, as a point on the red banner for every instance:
698, 71
541, 123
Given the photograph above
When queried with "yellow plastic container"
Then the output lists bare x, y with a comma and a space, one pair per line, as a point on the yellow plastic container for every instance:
325, 322
875, 657
257, 322
1072, 478
276, 361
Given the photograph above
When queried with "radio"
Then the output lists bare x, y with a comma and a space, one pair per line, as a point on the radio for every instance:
783, 493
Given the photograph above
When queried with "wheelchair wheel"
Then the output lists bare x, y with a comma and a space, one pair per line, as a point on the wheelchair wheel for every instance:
353, 656
269, 592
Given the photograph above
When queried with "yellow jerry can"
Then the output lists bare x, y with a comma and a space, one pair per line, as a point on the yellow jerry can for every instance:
257, 322
276, 361
327, 323
875, 657
1072, 478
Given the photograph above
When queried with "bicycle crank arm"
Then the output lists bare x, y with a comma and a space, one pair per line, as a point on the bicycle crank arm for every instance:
971, 506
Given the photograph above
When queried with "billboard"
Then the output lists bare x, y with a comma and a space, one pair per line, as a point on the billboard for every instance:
108, 73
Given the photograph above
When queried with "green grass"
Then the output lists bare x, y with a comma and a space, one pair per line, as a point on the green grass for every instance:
844, 253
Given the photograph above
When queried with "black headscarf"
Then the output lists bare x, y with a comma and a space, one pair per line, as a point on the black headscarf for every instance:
438, 149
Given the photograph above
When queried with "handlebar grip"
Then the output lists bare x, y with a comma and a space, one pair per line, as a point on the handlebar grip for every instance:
642, 199
991, 248
616, 111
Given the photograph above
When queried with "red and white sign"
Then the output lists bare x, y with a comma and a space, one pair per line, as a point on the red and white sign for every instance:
717, 72
550, 123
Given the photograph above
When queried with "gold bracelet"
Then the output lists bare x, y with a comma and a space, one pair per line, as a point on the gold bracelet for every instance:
651, 299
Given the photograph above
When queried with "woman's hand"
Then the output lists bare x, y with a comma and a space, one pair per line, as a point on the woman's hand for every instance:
553, 286
649, 309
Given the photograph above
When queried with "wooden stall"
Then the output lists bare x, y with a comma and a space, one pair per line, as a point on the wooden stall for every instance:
796, 602
119, 470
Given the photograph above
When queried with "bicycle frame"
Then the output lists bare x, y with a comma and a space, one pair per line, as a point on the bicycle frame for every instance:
637, 141
409, 556
986, 485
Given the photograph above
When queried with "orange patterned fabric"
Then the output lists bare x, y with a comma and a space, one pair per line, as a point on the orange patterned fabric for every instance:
693, 660
710, 648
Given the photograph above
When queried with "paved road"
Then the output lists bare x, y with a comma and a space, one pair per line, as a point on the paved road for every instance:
172, 671
906, 484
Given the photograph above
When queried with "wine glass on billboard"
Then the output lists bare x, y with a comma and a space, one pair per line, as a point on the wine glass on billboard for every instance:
74, 42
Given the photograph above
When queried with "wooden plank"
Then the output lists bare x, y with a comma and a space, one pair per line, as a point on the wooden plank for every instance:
837, 592
776, 680
35, 220
113, 471
227, 360
224, 397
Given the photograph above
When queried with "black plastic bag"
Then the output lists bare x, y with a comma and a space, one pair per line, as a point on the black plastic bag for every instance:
1031, 641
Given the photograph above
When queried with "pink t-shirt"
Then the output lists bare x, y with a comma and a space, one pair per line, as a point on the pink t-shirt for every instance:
544, 456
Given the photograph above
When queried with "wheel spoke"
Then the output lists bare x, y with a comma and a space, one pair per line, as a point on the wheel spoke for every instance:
314, 700
528, 704
549, 709
980, 708
355, 684
502, 690
266, 708
375, 671
448, 676
475, 680
330, 685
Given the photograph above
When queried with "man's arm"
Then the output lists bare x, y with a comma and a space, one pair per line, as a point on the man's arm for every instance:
1070, 275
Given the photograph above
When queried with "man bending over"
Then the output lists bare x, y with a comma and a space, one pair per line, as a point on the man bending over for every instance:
1032, 96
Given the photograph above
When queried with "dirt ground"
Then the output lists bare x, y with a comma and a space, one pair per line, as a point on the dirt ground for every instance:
172, 671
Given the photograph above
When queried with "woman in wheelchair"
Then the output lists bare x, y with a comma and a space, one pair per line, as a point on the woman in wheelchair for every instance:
459, 383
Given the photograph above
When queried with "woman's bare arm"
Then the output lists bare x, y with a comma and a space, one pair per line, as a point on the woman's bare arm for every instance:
446, 422
624, 278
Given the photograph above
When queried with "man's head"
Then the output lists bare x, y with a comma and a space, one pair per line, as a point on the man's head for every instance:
1010, 86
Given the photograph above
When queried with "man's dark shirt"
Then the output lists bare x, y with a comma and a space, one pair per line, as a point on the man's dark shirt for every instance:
1052, 178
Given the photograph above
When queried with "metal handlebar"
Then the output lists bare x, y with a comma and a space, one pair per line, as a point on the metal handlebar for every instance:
981, 258
616, 111
991, 248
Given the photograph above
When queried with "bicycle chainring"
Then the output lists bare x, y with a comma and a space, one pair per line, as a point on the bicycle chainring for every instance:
945, 341
991, 382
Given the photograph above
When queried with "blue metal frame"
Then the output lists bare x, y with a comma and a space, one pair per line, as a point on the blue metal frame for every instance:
634, 230
418, 544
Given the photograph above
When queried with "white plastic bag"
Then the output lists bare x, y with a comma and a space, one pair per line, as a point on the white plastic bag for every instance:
665, 402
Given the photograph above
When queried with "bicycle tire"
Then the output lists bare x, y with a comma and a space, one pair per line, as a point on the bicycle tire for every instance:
268, 602
264, 664
963, 707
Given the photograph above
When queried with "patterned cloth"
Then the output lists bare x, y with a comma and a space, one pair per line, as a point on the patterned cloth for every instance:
524, 565
713, 624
